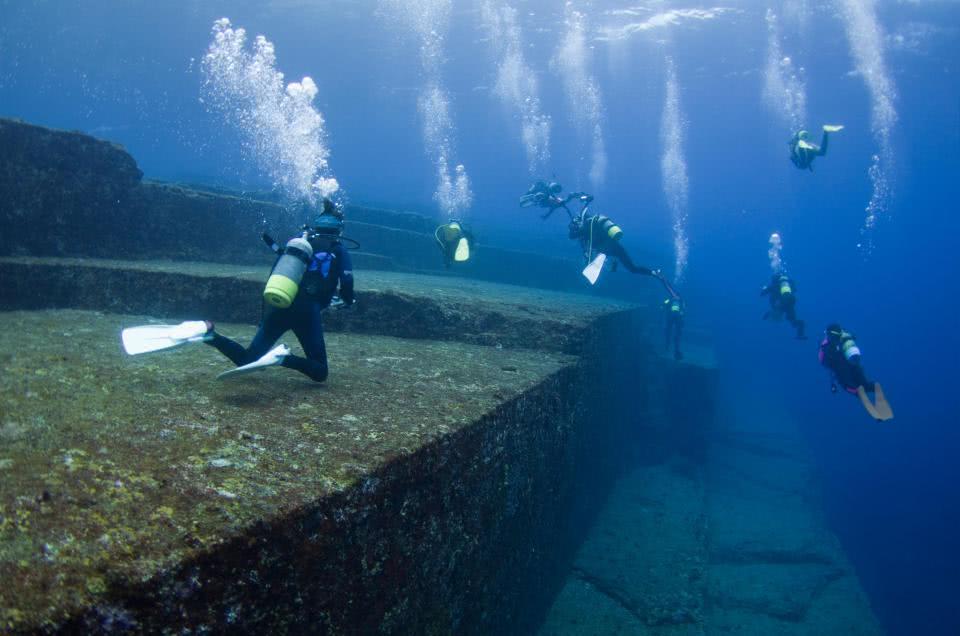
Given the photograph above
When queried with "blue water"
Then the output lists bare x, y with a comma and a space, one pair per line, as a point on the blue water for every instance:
131, 72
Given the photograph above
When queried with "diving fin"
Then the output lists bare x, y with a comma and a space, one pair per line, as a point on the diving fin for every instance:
805, 145
829, 128
882, 406
879, 411
271, 358
158, 337
592, 271
463, 251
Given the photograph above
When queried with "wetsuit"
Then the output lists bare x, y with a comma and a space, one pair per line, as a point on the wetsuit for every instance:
329, 267
598, 233
783, 301
673, 308
842, 357
803, 158
547, 195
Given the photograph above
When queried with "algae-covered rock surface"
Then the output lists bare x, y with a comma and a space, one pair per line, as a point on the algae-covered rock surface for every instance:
115, 470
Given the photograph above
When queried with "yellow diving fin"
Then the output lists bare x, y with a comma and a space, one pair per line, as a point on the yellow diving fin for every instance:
881, 404
463, 251
879, 411
832, 128
805, 145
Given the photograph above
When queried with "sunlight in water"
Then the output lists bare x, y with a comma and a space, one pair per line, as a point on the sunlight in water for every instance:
673, 168
517, 85
282, 130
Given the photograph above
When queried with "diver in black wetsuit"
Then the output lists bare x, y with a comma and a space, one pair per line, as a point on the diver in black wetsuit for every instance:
802, 152
547, 195
783, 302
673, 309
329, 266
456, 242
840, 354
597, 233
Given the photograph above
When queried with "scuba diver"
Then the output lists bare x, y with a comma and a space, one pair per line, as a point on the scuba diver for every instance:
783, 302
840, 354
547, 195
302, 283
802, 152
597, 233
455, 241
673, 309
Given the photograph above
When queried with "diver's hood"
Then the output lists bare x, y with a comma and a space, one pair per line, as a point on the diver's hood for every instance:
327, 225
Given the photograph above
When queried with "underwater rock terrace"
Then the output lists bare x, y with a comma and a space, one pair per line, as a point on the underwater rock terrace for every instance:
389, 303
426, 487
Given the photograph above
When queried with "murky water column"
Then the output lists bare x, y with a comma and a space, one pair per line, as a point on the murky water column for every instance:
866, 46
673, 169
281, 129
517, 86
572, 61
784, 91
774, 253
429, 20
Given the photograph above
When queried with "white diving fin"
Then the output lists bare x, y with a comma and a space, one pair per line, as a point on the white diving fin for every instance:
829, 128
463, 251
158, 337
271, 358
592, 271
805, 145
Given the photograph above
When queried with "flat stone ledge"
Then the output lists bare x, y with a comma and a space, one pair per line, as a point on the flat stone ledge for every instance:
126, 476
389, 303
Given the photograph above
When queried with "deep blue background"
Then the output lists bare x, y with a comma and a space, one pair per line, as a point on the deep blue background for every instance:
129, 72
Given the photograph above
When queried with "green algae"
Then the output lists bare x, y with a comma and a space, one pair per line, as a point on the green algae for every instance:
114, 468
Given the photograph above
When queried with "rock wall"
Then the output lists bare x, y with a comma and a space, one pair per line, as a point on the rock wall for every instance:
468, 532
68, 194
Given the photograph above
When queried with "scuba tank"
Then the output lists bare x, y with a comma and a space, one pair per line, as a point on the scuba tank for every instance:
785, 289
452, 232
284, 281
849, 347
608, 227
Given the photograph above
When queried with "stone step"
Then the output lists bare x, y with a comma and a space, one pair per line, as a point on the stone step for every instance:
392, 304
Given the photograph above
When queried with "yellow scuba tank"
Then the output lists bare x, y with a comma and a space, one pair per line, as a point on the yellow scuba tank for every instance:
451, 232
785, 289
609, 228
284, 281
